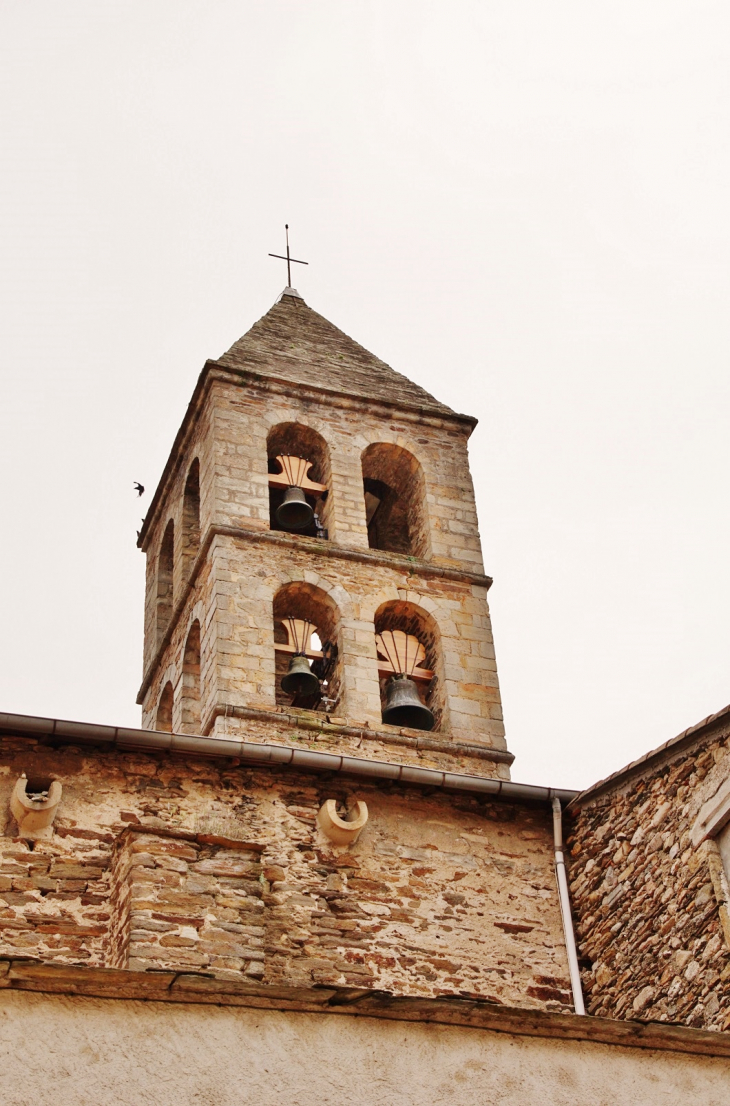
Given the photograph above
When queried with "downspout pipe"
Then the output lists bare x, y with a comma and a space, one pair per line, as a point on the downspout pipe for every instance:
564, 894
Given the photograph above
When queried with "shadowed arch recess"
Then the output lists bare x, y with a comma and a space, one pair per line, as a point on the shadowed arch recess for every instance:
395, 500
295, 440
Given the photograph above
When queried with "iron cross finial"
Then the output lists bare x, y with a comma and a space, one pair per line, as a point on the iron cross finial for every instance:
288, 257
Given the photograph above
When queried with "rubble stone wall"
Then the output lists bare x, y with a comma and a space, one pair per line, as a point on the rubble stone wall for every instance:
54, 899
649, 907
186, 901
159, 861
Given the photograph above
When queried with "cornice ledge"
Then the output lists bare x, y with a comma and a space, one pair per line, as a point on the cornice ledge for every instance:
21, 974
309, 720
378, 558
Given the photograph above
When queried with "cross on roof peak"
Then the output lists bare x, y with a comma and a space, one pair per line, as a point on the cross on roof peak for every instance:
288, 258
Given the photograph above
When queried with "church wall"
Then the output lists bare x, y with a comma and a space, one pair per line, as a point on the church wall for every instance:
59, 1048
168, 861
651, 907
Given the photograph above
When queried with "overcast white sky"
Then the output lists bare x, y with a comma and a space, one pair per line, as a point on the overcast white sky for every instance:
523, 205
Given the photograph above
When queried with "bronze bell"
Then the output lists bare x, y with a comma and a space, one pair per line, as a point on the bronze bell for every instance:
299, 680
294, 513
403, 706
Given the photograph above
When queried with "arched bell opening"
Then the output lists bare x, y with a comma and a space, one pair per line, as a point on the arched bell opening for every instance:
299, 480
407, 645
163, 720
165, 565
190, 695
306, 634
191, 519
395, 500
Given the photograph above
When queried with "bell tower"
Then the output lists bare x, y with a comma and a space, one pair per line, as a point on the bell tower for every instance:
314, 569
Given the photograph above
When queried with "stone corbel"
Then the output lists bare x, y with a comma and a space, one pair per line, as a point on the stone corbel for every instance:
342, 831
711, 832
35, 815
720, 886
713, 816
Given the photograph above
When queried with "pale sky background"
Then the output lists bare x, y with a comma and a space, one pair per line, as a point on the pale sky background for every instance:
523, 205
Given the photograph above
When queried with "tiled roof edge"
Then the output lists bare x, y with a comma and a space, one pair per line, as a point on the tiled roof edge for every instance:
674, 745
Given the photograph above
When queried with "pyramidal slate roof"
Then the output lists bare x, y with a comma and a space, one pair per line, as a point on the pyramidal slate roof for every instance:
293, 343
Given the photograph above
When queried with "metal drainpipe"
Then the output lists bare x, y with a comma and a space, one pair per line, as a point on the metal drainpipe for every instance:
578, 1004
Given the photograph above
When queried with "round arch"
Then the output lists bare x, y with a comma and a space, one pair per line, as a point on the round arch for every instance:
395, 500
297, 439
295, 604
412, 619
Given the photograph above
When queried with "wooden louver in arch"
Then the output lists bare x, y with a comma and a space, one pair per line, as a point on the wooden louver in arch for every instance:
294, 475
402, 654
299, 634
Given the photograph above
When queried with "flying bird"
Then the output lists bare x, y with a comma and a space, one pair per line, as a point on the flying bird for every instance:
139, 488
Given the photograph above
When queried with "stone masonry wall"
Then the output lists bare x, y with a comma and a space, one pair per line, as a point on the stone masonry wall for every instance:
219, 868
186, 901
648, 906
55, 894
243, 415
234, 602
198, 446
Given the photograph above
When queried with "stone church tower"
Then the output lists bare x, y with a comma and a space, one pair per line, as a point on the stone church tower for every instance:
308, 877
390, 546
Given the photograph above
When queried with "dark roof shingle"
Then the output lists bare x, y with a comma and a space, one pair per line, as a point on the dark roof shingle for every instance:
293, 343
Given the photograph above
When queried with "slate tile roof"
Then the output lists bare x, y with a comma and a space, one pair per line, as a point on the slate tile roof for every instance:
295, 344
667, 749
